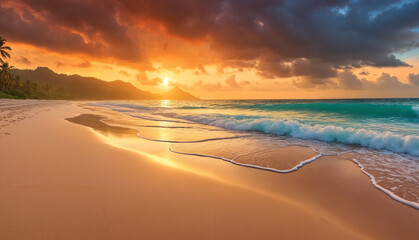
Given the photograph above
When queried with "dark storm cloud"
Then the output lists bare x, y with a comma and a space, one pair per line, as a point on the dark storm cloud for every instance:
333, 33
271, 66
310, 39
71, 27
36, 32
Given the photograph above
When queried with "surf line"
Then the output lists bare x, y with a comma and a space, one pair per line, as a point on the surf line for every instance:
295, 168
386, 191
250, 165
372, 179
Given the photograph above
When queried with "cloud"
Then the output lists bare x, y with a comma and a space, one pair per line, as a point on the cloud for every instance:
389, 82
24, 60
124, 73
198, 83
208, 86
84, 64
307, 82
289, 38
88, 27
271, 66
143, 79
202, 69
231, 82
390, 61
414, 79
347, 80
59, 64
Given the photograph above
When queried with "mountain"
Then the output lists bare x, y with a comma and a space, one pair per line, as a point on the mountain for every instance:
89, 88
178, 94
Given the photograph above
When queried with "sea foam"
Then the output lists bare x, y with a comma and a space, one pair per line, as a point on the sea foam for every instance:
416, 110
367, 138
329, 133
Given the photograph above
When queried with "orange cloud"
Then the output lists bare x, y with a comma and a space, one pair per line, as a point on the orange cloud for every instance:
244, 39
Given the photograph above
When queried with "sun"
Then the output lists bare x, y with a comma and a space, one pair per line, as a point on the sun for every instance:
166, 81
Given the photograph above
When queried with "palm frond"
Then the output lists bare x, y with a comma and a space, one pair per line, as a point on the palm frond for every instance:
5, 54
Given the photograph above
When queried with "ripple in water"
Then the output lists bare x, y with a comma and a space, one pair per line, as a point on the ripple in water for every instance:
396, 174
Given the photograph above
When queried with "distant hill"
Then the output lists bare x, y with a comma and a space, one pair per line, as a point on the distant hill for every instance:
89, 88
178, 94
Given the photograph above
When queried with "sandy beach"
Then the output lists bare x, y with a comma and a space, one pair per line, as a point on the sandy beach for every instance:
63, 177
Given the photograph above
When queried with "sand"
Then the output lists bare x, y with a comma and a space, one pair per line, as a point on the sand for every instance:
66, 180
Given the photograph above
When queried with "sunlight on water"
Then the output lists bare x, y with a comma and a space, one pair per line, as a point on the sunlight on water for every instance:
381, 135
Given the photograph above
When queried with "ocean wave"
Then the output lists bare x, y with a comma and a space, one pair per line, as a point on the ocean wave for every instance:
416, 109
117, 106
192, 107
293, 128
362, 137
355, 109
375, 110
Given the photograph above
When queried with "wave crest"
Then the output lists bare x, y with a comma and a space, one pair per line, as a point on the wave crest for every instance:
387, 140
353, 109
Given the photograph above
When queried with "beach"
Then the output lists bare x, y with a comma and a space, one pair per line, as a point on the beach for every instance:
70, 170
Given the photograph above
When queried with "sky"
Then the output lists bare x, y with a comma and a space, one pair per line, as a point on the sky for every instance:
223, 49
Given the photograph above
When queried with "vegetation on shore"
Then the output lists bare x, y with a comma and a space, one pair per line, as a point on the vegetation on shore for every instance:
43, 83
11, 85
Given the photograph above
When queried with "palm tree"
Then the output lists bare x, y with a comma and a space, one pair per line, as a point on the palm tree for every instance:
5, 75
17, 84
4, 50
27, 87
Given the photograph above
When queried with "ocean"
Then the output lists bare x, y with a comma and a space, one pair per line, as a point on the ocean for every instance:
380, 135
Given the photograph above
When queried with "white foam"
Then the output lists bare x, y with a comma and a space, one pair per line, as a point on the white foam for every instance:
386, 140
416, 109
388, 192
295, 168
371, 139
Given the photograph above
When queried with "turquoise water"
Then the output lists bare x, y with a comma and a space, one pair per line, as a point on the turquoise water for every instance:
380, 135
390, 124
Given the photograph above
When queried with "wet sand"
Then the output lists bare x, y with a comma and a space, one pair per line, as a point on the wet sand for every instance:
84, 179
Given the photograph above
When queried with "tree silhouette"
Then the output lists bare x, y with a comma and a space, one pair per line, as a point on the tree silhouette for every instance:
4, 50
6, 77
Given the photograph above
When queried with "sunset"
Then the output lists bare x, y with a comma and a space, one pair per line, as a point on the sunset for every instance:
198, 119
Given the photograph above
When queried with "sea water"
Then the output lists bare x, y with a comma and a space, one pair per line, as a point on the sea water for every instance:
380, 135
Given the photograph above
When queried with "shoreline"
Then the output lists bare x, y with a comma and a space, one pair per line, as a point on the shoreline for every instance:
393, 196
138, 188
411, 204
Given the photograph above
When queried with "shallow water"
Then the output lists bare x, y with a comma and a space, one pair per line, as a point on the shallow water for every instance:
382, 136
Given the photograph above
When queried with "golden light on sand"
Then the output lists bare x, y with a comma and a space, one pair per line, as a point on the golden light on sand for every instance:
166, 81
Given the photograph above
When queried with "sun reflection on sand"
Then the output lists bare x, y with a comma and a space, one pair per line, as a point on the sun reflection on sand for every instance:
130, 144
